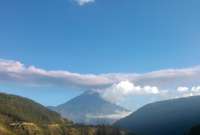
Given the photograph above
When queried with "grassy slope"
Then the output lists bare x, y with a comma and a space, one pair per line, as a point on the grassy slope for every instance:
23, 109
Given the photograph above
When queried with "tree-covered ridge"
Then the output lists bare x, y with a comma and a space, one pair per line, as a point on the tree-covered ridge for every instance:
169, 117
23, 109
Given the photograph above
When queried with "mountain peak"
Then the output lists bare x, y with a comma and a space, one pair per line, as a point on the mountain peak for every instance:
91, 108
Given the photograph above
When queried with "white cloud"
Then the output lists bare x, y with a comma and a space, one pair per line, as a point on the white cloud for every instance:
182, 89
126, 88
83, 2
196, 89
113, 86
187, 92
17, 72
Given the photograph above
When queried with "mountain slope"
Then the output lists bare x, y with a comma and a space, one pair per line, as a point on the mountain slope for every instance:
23, 109
172, 117
90, 108
22, 116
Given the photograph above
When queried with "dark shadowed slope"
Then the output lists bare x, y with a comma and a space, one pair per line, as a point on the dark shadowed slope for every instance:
90, 108
172, 117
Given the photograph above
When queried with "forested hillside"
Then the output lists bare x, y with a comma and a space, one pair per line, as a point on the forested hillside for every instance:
170, 117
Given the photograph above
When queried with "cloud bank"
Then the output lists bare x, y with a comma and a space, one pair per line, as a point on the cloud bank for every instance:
112, 86
16, 72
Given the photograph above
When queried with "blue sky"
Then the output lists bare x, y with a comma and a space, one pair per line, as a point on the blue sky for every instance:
105, 36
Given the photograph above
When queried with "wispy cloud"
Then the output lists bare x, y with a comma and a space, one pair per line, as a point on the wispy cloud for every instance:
115, 116
16, 72
113, 86
83, 2
171, 78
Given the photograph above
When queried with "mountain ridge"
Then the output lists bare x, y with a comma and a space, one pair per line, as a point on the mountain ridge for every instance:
167, 117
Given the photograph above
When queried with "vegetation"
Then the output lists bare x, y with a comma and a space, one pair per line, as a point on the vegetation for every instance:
23, 109
21, 116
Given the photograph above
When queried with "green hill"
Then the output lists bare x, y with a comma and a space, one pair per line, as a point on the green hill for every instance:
24, 116
23, 109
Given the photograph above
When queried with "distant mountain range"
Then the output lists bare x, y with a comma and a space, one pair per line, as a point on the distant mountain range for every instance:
171, 117
22, 116
91, 108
